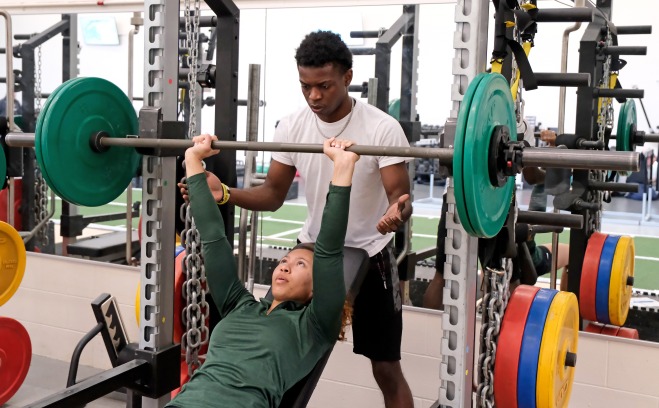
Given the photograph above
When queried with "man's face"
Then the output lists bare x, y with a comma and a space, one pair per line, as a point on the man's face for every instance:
325, 89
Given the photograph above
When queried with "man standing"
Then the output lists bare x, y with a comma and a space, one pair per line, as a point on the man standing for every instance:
379, 204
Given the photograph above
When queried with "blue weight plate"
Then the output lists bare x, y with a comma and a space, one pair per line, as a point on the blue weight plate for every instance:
530, 350
604, 279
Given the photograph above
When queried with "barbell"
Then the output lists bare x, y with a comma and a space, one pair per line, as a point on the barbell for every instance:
86, 124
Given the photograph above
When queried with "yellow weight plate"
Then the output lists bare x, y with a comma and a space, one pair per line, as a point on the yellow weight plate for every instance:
12, 259
558, 352
622, 279
137, 304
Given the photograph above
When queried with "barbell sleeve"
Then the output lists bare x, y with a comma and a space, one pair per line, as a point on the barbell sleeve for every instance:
565, 15
562, 79
641, 29
553, 219
365, 34
625, 50
642, 137
618, 93
578, 159
610, 186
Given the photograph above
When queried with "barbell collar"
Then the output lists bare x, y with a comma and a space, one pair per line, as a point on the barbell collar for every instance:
584, 160
554, 219
444, 155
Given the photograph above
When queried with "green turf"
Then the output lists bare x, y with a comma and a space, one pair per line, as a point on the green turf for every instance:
424, 231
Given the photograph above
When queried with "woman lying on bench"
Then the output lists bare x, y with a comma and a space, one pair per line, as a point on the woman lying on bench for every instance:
261, 348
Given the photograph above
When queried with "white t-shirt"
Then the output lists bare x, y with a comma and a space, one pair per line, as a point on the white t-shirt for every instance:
368, 199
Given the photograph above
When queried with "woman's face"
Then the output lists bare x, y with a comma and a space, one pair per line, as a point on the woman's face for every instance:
292, 279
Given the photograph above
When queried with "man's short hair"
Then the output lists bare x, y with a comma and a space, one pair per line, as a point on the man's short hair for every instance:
320, 48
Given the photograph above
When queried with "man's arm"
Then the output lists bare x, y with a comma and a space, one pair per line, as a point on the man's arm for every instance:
533, 175
396, 182
270, 195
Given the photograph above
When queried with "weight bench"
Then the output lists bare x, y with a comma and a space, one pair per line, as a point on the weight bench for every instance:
106, 247
355, 267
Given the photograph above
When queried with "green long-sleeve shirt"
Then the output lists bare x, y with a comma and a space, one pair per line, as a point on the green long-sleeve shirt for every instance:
253, 357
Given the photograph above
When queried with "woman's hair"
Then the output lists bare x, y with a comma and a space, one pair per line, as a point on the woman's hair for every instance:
321, 48
346, 314
346, 319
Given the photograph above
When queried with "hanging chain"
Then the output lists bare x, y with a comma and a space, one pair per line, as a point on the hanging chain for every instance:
192, 44
196, 310
40, 187
37, 82
604, 119
493, 307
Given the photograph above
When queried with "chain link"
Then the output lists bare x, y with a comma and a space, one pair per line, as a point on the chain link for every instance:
37, 82
40, 206
195, 312
605, 118
192, 44
493, 306
40, 187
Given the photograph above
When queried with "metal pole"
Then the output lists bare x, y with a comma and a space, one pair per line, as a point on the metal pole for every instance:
10, 70
137, 22
254, 87
10, 105
531, 157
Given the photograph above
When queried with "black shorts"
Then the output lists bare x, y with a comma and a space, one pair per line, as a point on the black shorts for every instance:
377, 321
440, 257
542, 266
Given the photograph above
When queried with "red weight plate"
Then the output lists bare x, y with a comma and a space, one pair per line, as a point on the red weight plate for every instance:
628, 333
589, 271
594, 328
509, 345
15, 357
179, 300
610, 330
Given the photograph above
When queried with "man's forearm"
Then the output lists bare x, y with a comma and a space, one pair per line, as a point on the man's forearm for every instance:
255, 199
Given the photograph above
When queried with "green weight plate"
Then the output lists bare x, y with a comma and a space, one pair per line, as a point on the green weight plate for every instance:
458, 153
394, 109
487, 205
37, 140
626, 126
79, 174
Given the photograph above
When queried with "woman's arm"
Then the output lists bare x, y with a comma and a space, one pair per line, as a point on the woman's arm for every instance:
219, 261
328, 283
